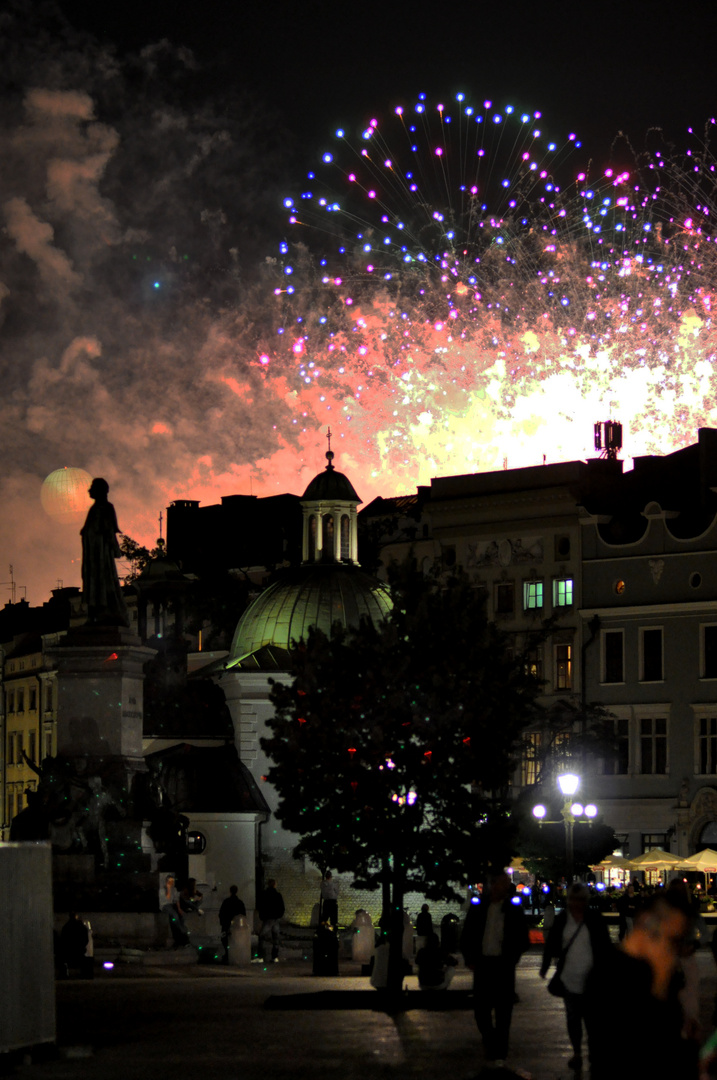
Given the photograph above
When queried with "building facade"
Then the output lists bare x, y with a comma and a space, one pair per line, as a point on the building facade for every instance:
649, 612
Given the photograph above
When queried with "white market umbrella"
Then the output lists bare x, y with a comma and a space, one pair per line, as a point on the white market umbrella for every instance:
614, 862
706, 861
655, 859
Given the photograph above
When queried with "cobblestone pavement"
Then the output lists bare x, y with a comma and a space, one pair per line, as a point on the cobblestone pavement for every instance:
211, 1023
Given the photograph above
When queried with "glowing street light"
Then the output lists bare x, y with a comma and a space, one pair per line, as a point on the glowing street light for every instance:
571, 811
568, 784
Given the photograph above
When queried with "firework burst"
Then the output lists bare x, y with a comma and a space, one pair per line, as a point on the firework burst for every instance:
456, 289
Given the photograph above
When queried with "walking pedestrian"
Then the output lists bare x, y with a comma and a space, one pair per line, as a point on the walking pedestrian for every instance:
329, 900
230, 908
579, 940
494, 938
641, 981
271, 910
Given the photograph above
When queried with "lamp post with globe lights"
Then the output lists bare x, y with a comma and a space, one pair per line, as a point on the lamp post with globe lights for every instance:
571, 812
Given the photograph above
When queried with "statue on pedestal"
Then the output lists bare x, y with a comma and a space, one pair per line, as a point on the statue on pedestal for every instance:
100, 584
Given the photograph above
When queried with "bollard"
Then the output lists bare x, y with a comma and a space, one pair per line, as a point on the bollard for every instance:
363, 938
240, 942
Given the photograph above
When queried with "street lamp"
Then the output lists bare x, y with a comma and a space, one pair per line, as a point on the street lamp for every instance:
571, 811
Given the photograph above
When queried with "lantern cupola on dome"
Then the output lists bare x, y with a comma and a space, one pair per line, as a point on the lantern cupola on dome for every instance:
329, 506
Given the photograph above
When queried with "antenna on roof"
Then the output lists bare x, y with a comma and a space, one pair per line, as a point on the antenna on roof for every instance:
608, 439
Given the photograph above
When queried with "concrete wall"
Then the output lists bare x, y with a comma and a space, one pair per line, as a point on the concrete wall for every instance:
27, 987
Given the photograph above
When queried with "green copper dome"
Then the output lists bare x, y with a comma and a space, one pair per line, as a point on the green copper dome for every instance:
320, 595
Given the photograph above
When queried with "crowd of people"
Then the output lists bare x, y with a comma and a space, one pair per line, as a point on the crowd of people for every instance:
644, 987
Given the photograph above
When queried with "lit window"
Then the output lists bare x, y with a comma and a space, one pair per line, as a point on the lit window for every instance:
562, 592
532, 595
563, 667
534, 662
530, 758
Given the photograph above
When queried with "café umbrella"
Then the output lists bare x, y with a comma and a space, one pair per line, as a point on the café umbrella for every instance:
705, 862
655, 859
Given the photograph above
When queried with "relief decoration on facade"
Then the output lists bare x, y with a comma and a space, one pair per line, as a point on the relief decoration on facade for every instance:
504, 552
656, 568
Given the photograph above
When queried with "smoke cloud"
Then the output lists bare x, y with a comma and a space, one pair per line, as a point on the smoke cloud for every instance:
134, 211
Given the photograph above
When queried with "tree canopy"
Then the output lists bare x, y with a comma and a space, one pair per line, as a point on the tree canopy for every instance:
393, 745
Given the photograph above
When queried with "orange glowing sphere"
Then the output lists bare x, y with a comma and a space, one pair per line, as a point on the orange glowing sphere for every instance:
64, 495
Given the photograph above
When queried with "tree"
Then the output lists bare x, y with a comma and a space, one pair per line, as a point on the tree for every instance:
393, 745
137, 556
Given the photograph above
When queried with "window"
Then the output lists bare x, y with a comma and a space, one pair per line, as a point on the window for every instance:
709, 652
11, 749
562, 547
10, 701
32, 693
530, 758
448, 555
707, 744
48, 694
10, 804
20, 700
653, 745
613, 656
651, 640
532, 595
48, 744
345, 537
563, 667
327, 536
562, 592
18, 748
312, 538
618, 763
32, 749
505, 598
534, 662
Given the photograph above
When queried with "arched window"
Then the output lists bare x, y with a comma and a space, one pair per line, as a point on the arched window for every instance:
312, 538
345, 537
328, 536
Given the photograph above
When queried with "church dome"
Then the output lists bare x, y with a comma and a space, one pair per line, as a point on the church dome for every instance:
330, 485
318, 594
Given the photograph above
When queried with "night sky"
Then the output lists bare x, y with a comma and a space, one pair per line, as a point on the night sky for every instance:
146, 151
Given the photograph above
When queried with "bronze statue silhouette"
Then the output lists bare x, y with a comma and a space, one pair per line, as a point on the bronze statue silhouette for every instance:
100, 584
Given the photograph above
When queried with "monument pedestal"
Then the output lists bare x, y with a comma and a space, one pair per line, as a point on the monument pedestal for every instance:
100, 681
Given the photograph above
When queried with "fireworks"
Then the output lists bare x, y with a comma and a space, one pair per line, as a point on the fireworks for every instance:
456, 289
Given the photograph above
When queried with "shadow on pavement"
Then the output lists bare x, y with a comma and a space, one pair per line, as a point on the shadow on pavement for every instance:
440, 1001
